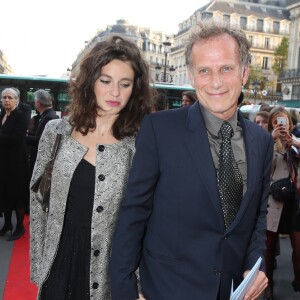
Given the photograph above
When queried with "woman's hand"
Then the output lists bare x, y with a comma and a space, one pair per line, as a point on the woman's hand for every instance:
294, 141
282, 133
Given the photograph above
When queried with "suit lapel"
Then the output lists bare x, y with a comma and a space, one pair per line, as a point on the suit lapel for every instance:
251, 158
199, 149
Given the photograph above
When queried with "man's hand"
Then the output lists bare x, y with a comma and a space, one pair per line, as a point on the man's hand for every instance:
141, 297
257, 287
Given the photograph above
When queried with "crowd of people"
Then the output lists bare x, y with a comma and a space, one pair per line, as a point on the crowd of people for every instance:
283, 217
129, 220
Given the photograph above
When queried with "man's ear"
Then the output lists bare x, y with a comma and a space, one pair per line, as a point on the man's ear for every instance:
246, 74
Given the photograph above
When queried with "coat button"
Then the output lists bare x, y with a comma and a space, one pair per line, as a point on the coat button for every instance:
101, 177
101, 148
96, 252
95, 285
99, 209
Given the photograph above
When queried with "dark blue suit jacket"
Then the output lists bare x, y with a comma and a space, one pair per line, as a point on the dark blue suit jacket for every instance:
171, 223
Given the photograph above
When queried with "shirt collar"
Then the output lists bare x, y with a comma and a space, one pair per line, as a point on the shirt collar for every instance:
213, 123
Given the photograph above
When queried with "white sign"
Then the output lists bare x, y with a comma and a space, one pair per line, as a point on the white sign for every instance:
286, 91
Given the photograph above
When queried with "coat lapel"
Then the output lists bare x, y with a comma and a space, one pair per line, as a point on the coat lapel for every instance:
199, 148
251, 158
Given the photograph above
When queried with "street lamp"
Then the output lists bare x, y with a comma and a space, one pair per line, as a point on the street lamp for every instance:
167, 49
172, 71
164, 76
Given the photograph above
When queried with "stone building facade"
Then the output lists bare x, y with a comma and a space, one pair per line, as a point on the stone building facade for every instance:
290, 78
5, 68
264, 22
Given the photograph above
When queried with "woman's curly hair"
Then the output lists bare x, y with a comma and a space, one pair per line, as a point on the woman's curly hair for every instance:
83, 109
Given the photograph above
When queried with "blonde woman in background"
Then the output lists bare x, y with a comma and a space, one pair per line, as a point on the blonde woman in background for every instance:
282, 217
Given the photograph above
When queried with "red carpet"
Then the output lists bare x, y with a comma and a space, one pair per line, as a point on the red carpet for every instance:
18, 285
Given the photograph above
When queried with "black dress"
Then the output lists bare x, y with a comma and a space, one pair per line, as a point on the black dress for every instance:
290, 217
14, 170
69, 275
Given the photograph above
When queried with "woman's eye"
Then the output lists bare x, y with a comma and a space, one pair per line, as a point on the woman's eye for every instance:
125, 85
104, 81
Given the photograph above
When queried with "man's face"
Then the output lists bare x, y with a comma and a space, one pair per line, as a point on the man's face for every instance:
217, 75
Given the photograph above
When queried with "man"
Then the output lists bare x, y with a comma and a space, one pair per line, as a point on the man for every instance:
43, 105
175, 223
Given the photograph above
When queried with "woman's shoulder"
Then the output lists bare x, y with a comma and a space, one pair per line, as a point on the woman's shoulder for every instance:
59, 126
129, 141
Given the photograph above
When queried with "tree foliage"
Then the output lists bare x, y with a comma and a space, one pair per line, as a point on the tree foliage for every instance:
255, 78
281, 56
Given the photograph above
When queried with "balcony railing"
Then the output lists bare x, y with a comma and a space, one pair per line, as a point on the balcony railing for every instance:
263, 46
288, 74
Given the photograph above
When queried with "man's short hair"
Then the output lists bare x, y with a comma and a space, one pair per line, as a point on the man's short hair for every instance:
43, 97
208, 29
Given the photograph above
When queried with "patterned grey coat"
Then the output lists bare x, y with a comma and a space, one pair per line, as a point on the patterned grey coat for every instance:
45, 230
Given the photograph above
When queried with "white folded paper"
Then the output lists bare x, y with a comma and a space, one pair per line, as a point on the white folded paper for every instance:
245, 285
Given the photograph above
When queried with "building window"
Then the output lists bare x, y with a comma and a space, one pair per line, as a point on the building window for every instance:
267, 43
260, 25
243, 22
226, 18
250, 38
265, 63
276, 27
207, 15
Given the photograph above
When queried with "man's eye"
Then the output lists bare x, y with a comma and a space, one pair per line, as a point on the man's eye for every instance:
227, 69
203, 71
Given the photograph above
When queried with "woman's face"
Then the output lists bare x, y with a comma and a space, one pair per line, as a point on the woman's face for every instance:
281, 115
262, 122
114, 87
9, 102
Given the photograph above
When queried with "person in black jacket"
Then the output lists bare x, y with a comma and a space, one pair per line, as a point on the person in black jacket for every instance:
22, 106
43, 105
14, 179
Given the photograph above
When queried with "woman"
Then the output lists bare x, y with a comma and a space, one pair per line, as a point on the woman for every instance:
262, 119
70, 246
282, 217
14, 177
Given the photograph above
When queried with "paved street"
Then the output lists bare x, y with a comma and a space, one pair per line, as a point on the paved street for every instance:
283, 275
